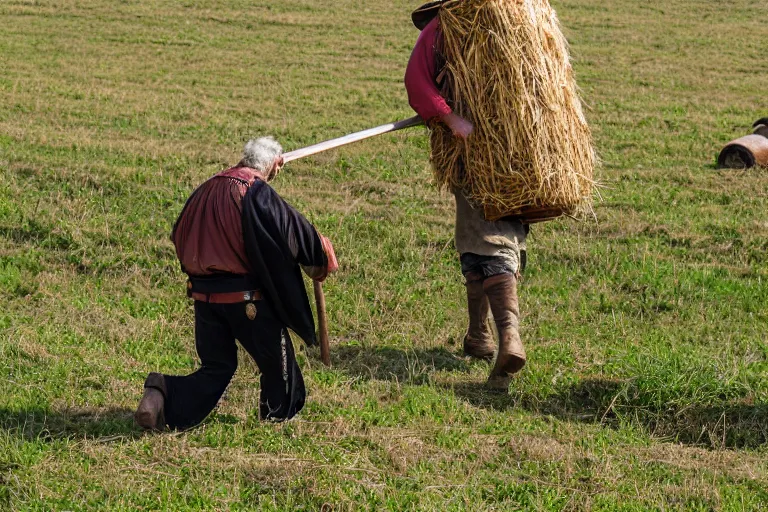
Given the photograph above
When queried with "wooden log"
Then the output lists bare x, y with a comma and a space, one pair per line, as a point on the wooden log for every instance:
744, 152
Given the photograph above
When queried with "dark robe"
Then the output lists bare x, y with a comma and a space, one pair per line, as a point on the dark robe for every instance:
277, 240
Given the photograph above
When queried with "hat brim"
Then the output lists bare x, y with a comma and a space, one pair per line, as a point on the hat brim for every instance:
424, 14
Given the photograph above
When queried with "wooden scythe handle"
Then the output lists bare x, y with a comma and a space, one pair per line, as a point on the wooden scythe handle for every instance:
322, 321
322, 324
352, 137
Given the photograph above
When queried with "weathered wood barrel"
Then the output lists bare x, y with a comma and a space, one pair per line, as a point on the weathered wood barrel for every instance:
762, 129
744, 152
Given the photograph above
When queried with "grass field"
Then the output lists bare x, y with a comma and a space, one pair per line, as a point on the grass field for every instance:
647, 327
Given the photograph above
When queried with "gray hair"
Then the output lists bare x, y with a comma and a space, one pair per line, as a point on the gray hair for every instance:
261, 153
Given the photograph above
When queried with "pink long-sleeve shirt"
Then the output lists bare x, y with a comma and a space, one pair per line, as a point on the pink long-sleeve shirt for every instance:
421, 75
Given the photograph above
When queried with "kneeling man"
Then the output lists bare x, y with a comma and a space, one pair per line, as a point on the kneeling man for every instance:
242, 247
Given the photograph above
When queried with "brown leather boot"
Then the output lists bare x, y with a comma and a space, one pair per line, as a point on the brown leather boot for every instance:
150, 413
501, 291
478, 342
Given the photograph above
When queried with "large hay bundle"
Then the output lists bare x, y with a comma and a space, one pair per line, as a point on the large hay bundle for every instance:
508, 72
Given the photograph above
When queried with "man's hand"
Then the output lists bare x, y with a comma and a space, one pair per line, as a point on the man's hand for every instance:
333, 264
459, 126
277, 165
320, 273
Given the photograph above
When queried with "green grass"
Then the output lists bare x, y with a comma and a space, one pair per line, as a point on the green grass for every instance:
647, 328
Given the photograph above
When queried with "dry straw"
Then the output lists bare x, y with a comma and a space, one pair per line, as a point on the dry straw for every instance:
508, 72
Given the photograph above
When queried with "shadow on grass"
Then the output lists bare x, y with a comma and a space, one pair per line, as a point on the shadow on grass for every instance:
40, 424
611, 402
729, 424
387, 363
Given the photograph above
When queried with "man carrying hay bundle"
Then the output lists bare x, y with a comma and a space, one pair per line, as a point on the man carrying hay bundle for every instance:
492, 80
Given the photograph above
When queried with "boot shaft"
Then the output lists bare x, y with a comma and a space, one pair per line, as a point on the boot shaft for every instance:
501, 291
478, 341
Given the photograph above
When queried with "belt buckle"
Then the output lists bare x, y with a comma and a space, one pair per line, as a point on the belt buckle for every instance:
247, 296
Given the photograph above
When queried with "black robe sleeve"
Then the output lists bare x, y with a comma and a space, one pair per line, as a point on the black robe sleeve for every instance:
277, 240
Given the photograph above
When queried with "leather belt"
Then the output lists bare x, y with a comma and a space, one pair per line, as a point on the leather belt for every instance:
226, 297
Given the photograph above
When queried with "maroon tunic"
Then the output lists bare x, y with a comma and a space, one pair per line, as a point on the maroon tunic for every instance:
208, 234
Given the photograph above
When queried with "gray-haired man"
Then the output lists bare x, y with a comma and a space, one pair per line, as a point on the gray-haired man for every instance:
242, 247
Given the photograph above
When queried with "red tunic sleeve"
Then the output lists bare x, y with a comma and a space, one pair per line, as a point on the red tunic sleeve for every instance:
420, 76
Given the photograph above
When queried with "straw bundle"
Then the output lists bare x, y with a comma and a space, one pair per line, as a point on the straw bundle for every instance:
508, 72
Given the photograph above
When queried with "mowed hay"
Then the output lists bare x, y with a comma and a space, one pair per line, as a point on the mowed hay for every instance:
509, 73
